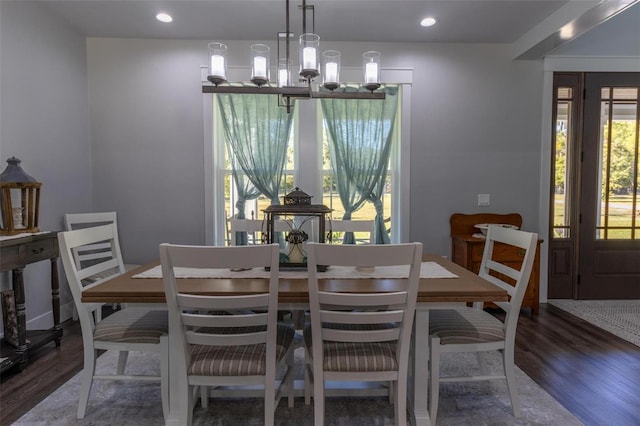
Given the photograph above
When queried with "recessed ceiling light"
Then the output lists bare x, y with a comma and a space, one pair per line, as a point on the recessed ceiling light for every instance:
428, 22
164, 17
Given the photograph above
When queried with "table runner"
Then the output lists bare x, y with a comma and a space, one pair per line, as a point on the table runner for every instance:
427, 270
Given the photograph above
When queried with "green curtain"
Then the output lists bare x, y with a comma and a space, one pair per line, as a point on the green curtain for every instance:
257, 131
246, 191
359, 145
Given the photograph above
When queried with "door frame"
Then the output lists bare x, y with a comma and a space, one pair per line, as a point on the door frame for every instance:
563, 64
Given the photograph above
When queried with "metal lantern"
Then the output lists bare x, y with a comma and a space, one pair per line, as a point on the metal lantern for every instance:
297, 197
20, 198
301, 216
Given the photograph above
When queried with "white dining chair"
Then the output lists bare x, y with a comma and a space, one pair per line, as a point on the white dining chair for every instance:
361, 336
227, 340
254, 229
95, 252
73, 221
130, 329
360, 226
471, 329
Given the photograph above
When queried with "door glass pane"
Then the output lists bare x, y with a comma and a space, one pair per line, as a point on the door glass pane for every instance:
618, 172
563, 133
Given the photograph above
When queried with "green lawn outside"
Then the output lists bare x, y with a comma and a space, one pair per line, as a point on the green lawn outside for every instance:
620, 214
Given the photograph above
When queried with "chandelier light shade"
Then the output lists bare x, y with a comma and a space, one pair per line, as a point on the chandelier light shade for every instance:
309, 49
371, 68
217, 63
284, 72
311, 65
260, 64
331, 69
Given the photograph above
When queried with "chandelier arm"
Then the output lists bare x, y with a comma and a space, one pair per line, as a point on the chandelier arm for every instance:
304, 16
288, 37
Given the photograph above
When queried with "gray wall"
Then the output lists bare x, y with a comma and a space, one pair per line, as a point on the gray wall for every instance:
475, 129
147, 141
44, 121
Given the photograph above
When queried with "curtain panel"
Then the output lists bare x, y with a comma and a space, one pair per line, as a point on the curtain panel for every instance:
359, 133
257, 131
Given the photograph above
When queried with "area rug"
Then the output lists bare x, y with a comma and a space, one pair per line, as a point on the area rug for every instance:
618, 317
130, 403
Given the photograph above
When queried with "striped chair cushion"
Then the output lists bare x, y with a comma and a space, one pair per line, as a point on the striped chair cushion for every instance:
356, 356
455, 326
247, 360
133, 326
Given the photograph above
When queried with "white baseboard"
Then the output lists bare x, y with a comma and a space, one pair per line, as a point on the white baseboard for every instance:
45, 320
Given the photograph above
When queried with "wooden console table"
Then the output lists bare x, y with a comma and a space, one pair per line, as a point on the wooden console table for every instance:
15, 254
467, 247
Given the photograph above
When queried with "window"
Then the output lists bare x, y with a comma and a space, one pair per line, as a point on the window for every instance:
564, 135
304, 166
619, 168
308, 166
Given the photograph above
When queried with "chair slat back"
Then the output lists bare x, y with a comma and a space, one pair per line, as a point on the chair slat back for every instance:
245, 225
225, 320
92, 252
367, 226
495, 271
364, 316
253, 227
72, 241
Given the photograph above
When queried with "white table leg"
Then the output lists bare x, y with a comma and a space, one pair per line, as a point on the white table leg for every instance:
420, 370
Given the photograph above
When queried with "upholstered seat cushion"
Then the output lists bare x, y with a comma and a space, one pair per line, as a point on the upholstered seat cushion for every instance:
133, 326
455, 326
246, 360
355, 356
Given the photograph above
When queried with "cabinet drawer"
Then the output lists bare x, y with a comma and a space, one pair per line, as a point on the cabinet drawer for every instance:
500, 252
10, 258
40, 250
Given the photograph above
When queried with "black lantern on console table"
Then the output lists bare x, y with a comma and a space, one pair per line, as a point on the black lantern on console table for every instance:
299, 213
20, 199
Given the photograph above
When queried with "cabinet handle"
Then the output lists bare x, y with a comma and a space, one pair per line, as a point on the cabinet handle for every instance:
521, 252
37, 251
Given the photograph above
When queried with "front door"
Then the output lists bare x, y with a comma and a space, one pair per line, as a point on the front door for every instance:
594, 248
609, 214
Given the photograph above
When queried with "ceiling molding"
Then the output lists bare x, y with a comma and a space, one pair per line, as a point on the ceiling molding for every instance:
566, 24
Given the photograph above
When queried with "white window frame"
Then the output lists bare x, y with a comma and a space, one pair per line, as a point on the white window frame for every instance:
308, 131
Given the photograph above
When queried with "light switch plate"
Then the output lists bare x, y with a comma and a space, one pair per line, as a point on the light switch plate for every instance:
484, 199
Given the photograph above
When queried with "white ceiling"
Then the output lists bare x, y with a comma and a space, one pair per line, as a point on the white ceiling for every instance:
534, 27
459, 21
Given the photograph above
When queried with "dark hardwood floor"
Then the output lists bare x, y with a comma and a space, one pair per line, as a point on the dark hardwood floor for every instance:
591, 372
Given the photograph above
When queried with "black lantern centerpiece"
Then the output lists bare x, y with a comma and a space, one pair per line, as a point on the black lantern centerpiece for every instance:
300, 214
20, 200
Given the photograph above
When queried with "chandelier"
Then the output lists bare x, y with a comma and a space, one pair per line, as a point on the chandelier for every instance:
311, 66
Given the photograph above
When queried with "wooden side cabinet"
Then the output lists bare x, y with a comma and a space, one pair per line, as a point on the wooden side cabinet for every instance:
467, 246
15, 255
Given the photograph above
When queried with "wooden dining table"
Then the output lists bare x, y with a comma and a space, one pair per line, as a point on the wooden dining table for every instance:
293, 294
